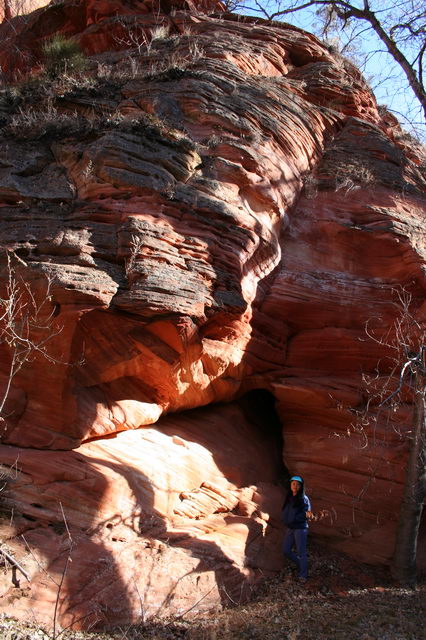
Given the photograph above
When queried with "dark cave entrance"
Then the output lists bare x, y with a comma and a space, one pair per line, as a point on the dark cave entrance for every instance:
259, 409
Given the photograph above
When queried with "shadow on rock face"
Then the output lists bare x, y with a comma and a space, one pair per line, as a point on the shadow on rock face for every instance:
107, 543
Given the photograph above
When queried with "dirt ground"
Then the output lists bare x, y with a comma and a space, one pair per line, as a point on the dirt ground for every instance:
342, 600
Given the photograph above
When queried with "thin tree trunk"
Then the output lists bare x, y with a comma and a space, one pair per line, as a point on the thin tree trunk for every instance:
404, 559
7, 12
10, 377
346, 10
398, 56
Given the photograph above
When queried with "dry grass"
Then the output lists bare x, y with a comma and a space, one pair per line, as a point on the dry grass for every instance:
343, 600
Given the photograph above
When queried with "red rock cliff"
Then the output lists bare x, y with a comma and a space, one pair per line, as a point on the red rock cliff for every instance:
220, 208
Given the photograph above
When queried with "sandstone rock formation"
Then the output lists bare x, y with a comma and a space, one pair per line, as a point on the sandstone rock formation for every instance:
10, 9
220, 207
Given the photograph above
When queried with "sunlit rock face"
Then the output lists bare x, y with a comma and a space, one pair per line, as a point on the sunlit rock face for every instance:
11, 8
155, 518
221, 212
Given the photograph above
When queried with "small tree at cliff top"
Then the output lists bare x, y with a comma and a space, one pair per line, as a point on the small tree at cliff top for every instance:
26, 325
407, 342
372, 26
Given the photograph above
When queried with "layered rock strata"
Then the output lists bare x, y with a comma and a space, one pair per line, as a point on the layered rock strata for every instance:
215, 207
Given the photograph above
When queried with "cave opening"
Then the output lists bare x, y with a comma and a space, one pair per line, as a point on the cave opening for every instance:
259, 408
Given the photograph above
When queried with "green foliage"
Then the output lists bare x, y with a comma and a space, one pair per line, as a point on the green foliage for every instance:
63, 55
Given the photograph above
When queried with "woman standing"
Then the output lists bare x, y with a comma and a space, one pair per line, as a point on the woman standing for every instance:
296, 512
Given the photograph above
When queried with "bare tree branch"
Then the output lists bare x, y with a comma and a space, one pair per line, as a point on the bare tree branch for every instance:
400, 27
27, 323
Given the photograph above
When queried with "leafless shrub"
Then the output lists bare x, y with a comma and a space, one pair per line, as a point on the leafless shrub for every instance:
135, 246
400, 381
153, 127
69, 546
346, 184
138, 38
9, 474
177, 60
132, 69
353, 177
175, 53
69, 82
135, 37
49, 122
26, 324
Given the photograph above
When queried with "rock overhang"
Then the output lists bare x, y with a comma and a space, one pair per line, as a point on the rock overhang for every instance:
227, 221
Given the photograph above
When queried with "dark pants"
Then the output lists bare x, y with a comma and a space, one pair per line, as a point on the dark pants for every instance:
297, 538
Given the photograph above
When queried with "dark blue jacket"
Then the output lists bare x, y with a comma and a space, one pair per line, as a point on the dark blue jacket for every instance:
294, 512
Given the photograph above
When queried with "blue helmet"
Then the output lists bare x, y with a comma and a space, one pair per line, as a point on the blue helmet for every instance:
297, 478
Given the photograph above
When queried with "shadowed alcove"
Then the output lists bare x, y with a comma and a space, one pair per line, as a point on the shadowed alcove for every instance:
259, 409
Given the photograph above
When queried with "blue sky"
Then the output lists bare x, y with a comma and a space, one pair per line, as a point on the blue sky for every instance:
383, 74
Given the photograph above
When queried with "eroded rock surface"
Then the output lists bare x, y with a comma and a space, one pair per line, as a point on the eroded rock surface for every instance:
147, 518
220, 210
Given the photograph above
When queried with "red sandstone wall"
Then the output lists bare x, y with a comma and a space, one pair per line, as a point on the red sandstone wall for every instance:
274, 212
